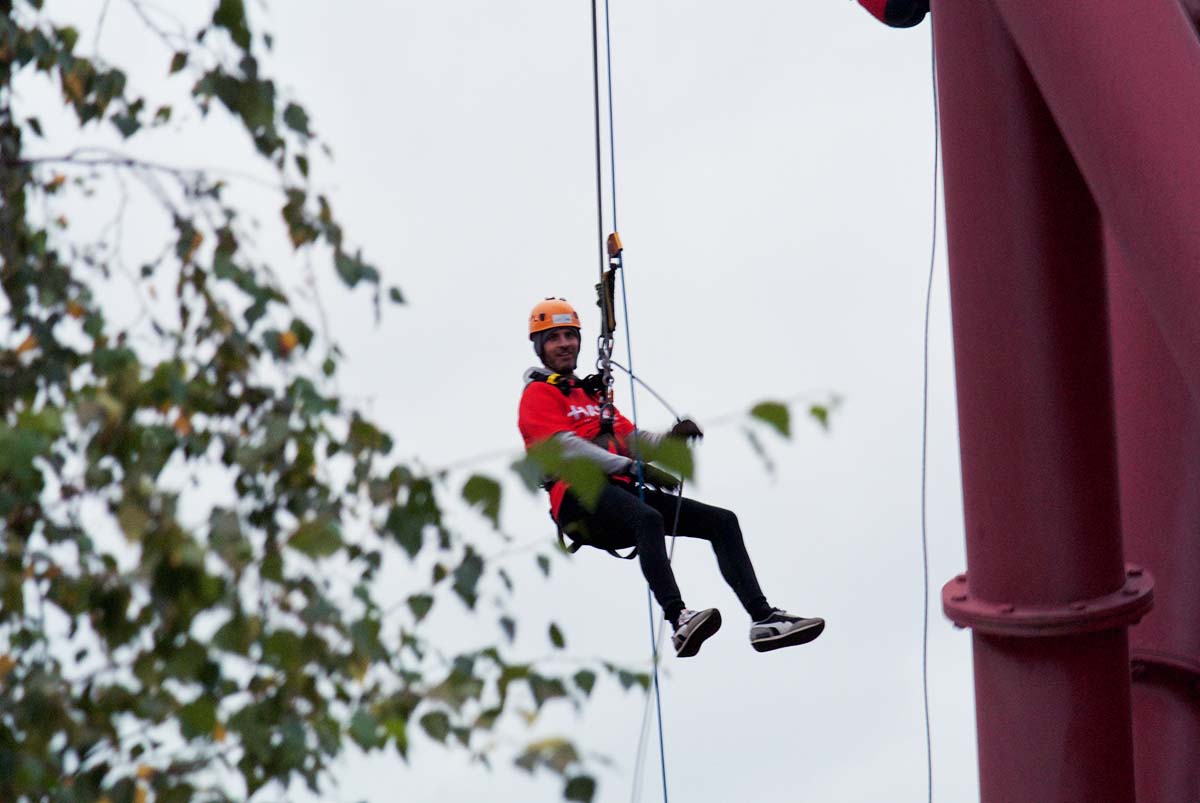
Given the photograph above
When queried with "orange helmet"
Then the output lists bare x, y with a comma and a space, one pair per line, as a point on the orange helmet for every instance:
551, 313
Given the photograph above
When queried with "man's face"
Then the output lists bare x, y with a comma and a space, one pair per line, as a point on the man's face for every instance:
560, 350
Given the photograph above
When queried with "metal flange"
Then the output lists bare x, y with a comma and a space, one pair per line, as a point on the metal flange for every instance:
1121, 608
1156, 666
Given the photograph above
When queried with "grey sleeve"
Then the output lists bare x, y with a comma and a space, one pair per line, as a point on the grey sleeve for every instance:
575, 446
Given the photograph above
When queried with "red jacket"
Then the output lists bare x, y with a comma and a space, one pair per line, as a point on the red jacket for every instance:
546, 411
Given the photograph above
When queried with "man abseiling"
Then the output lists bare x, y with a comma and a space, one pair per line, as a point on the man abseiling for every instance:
557, 405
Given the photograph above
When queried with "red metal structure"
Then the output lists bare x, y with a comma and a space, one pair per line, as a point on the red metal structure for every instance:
1071, 138
1158, 437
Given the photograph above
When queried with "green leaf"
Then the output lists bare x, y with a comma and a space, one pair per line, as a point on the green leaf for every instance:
466, 577
365, 730
556, 636
134, 520
196, 719
69, 36
231, 15
296, 119
543, 563
353, 269
420, 604
545, 689
407, 529
484, 492
581, 788
395, 295
282, 649
628, 679
585, 679
436, 724
761, 451
178, 62
587, 480
317, 538
187, 661
302, 330
554, 753
366, 436
775, 415
227, 540
509, 626
674, 454
821, 413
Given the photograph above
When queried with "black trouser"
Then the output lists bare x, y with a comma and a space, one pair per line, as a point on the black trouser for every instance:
621, 520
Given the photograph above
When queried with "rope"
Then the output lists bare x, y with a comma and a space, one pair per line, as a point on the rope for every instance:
937, 141
596, 117
656, 647
655, 640
635, 378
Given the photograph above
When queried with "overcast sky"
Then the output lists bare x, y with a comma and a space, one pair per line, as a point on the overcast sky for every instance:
774, 170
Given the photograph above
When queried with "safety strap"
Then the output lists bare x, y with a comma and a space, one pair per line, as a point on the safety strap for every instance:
592, 384
578, 543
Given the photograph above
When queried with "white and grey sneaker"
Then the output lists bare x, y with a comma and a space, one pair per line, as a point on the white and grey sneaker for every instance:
781, 629
693, 628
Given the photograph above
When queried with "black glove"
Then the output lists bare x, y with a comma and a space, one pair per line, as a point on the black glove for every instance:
653, 475
592, 384
686, 428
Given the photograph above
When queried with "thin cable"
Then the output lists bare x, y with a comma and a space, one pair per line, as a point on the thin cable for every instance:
624, 306
658, 640
596, 118
635, 378
612, 147
937, 140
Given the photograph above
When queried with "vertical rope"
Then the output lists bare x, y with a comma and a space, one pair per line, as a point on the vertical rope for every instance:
596, 118
925, 431
655, 640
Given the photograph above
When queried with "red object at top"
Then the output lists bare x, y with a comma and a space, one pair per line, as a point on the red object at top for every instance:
897, 13
546, 411
876, 7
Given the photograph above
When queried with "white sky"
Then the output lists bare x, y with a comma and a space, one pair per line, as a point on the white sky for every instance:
774, 168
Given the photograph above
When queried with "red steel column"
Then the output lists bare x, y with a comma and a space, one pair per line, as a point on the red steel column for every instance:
1047, 592
1123, 81
1158, 429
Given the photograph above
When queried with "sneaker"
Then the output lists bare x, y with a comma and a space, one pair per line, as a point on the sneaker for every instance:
781, 629
693, 628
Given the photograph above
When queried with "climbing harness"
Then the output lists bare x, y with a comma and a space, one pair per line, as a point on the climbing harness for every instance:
590, 384
579, 539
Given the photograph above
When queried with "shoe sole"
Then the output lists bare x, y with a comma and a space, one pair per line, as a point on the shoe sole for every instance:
711, 624
791, 638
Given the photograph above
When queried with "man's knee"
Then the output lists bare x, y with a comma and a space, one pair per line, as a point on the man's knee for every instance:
727, 521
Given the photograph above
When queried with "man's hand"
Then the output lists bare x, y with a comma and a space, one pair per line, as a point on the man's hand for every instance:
686, 428
653, 475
